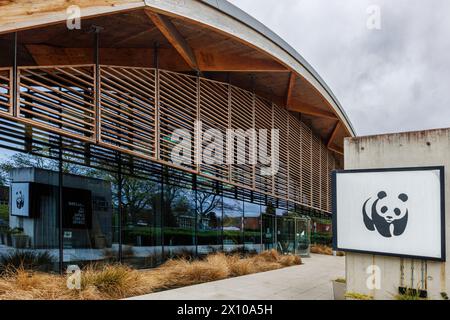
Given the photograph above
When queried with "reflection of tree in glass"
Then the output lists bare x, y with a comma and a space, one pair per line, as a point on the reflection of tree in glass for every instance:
139, 196
24, 160
177, 200
232, 213
208, 206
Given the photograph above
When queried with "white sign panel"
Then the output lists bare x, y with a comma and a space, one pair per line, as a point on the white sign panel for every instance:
20, 199
398, 212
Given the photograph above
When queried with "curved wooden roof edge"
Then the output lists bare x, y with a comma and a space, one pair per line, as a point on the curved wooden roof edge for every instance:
219, 15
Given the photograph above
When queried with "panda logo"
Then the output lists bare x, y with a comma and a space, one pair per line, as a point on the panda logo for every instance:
20, 201
388, 215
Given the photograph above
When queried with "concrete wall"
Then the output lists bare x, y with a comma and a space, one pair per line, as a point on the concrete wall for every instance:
414, 149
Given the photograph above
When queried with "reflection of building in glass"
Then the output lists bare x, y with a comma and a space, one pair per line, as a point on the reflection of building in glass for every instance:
89, 225
90, 141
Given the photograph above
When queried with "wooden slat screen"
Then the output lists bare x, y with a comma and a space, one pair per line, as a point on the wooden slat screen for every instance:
307, 160
323, 177
242, 112
331, 167
281, 123
141, 107
6, 88
316, 174
127, 109
295, 159
214, 114
263, 120
60, 99
178, 101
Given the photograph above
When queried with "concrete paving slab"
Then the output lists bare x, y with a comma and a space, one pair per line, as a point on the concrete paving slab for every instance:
310, 281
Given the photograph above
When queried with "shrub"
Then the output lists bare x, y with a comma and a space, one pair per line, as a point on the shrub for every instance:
28, 260
341, 280
114, 281
321, 249
326, 250
409, 294
358, 296
323, 238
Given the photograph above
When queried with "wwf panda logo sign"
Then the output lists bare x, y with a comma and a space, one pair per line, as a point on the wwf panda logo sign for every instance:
387, 215
397, 212
20, 199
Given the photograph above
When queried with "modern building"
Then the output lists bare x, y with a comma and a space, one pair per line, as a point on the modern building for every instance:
90, 106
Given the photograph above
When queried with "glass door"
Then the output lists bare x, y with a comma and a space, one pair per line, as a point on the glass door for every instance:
302, 236
286, 235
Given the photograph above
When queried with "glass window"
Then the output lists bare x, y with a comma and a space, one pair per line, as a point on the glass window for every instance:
232, 224
179, 218
90, 215
209, 222
281, 212
141, 229
29, 215
252, 227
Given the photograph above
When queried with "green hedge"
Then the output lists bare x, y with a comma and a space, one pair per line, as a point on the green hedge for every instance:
325, 238
4, 212
181, 236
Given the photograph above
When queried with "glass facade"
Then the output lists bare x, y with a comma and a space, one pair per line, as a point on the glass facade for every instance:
233, 214
66, 214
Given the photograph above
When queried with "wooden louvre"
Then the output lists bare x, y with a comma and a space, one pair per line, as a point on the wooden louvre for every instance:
138, 111
281, 123
263, 121
6, 90
214, 115
127, 109
178, 104
323, 177
295, 159
58, 98
242, 120
316, 176
307, 161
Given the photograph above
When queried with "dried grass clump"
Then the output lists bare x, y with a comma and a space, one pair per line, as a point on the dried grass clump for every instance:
112, 281
321, 249
326, 250
23, 284
119, 281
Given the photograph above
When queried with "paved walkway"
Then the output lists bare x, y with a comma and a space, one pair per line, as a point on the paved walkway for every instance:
310, 281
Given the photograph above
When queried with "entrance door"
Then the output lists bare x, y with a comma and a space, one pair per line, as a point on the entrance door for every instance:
302, 235
287, 240
268, 232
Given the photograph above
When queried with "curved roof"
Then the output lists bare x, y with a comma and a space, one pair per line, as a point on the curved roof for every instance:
311, 95
238, 14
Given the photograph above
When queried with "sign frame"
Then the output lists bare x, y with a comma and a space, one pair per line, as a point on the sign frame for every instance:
441, 170
29, 186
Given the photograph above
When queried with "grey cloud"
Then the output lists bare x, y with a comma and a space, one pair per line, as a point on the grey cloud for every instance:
389, 80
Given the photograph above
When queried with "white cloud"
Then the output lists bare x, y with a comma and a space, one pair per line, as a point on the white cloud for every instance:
391, 80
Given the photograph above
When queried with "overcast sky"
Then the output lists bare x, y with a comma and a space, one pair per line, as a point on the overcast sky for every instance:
388, 80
